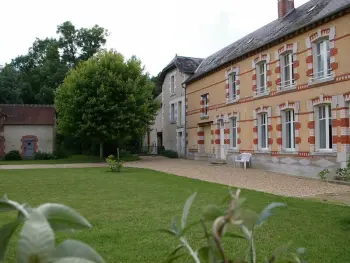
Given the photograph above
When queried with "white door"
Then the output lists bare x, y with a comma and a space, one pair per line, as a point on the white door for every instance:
222, 141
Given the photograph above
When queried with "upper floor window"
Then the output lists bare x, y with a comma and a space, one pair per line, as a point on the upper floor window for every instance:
232, 78
261, 77
172, 112
172, 84
322, 60
262, 131
287, 74
205, 107
179, 113
324, 127
288, 130
234, 132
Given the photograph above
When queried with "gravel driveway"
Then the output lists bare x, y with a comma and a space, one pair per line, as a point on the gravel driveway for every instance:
259, 180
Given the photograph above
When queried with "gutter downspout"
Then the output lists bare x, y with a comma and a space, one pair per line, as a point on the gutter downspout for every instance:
184, 87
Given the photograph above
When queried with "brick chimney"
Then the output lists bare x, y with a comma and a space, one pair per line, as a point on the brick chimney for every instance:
284, 7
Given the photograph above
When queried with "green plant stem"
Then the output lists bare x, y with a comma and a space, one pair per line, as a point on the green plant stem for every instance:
190, 250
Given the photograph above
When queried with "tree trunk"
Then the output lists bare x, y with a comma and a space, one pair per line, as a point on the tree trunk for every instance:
101, 150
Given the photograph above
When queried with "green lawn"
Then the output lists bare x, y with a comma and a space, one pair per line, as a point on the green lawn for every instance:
71, 159
126, 208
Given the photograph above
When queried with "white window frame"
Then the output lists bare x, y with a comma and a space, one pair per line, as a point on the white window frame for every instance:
291, 82
234, 143
324, 53
232, 80
172, 112
285, 122
263, 125
328, 122
205, 105
172, 84
261, 88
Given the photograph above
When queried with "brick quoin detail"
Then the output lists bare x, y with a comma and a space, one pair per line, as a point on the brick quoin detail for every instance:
200, 142
239, 130
270, 141
345, 139
277, 70
278, 81
254, 77
296, 64
217, 141
239, 141
255, 141
269, 128
217, 131
227, 131
279, 127
309, 59
344, 122
333, 51
334, 65
212, 141
200, 133
212, 132
296, 76
335, 139
297, 140
311, 125
297, 126
255, 129
309, 72
279, 141
311, 140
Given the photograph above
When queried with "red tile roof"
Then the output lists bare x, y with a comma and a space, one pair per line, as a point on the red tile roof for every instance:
18, 114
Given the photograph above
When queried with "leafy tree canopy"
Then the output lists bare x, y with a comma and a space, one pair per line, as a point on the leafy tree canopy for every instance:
106, 98
33, 78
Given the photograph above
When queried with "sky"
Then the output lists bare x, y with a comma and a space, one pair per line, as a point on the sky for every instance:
153, 30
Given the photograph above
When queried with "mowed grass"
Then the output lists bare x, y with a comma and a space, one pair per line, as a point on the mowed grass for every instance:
70, 159
127, 208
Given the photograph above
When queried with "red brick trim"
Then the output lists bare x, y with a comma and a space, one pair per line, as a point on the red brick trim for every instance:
254, 77
311, 125
279, 141
227, 131
333, 51
35, 138
200, 133
334, 65
217, 141
297, 140
217, 131
269, 128
311, 140
279, 127
344, 122
201, 142
255, 141
296, 76
278, 70
296, 64
239, 141
255, 129
239, 130
270, 141
297, 126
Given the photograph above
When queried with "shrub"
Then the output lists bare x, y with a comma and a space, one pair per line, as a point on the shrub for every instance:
233, 221
113, 163
323, 174
60, 152
37, 239
170, 154
43, 156
13, 156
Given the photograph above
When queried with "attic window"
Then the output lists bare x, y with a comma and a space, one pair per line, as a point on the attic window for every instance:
250, 40
312, 8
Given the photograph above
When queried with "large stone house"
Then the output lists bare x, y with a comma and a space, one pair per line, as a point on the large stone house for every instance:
281, 93
171, 117
27, 128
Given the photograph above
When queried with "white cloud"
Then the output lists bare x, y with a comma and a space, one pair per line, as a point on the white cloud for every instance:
153, 30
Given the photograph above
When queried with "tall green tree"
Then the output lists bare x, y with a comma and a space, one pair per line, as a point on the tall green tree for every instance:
38, 73
106, 98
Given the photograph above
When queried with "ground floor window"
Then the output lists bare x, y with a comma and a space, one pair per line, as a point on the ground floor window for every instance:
234, 132
262, 131
288, 130
324, 127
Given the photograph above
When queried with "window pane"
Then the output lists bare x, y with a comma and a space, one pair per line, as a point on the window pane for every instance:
288, 135
234, 137
263, 132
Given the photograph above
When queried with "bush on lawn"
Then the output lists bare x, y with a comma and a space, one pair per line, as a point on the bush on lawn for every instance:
170, 154
37, 239
43, 156
233, 221
13, 156
60, 152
